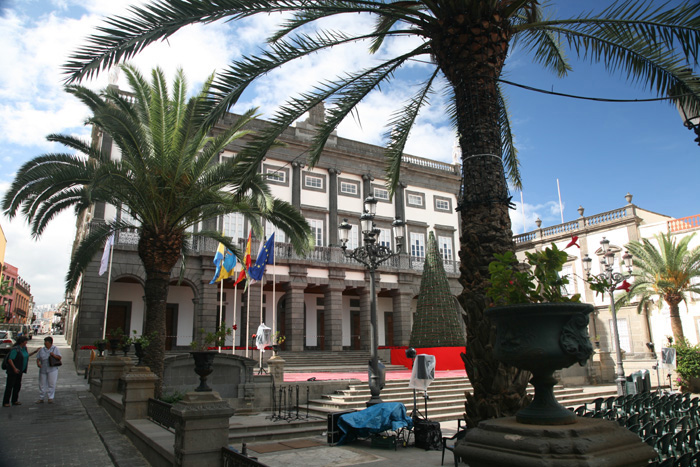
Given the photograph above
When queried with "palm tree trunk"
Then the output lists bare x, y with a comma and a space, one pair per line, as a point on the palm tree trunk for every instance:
676, 324
159, 253
472, 56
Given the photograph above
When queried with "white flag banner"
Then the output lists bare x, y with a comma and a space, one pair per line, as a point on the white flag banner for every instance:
104, 262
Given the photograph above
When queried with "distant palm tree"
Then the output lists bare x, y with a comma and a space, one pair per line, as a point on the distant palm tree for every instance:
466, 42
167, 179
665, 272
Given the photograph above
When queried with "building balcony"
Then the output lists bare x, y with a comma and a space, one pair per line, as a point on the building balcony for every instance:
285, 254
598, 221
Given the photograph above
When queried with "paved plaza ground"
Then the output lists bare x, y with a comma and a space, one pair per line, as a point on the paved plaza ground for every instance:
75, 431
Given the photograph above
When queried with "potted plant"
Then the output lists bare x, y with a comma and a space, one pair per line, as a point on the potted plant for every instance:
101, 345
277, 341
115, 338
141, 343
126, 344
203, 357
538, 327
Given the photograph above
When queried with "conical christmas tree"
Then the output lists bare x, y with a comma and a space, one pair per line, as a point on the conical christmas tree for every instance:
437, 322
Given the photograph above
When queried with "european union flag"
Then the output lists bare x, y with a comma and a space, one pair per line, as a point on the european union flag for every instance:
265, 257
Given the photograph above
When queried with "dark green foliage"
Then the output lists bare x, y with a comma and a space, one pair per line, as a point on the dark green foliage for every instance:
687, 362
512, 283
438, 322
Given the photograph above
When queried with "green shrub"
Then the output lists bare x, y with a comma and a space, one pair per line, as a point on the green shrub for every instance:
172, 398
687, 362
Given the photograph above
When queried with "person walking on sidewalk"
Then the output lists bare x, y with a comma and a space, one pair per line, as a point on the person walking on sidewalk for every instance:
16, 366
48, 375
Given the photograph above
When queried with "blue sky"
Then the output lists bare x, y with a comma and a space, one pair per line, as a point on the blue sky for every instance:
598, 151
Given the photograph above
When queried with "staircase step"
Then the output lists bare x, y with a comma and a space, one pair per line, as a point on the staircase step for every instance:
279, 430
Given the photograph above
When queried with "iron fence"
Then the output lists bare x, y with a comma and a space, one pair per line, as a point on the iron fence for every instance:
159, 412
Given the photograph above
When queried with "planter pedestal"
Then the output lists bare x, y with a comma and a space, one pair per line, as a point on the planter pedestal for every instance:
276, 366
503, 442
201, 429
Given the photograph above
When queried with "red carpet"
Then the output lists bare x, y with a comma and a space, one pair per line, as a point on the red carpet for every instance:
362, 376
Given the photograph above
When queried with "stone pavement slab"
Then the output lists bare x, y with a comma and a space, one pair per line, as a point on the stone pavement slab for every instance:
73, 431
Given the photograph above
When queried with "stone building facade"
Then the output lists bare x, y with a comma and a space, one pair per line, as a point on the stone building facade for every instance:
320, 301
620, 226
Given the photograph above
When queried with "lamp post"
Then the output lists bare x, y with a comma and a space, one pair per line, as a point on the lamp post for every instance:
612, 280
691, 123
372, 254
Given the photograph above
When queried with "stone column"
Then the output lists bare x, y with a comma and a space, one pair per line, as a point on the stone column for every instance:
333, 207
201, 429
402, 316
294, 304
139, 386
333, 306
296, 183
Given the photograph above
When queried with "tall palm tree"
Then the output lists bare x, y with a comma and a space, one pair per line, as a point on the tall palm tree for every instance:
665, 272
465, 41
167, 178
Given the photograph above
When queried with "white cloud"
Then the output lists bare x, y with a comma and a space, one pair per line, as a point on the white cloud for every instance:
43, 263
523, 219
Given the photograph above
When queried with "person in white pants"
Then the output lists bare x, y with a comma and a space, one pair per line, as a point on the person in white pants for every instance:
48, 375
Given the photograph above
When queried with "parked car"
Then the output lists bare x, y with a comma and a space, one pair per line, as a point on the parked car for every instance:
6, 341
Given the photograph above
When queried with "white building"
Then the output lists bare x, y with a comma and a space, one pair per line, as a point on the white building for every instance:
320, 301
620, 226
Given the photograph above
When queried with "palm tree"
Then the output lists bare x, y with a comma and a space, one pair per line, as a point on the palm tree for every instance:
665, 272
167, 179
467, 42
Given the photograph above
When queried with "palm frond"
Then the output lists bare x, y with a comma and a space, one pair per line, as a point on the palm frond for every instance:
400, 125
510, 152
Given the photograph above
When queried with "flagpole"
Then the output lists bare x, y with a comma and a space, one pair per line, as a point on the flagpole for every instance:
109, 280
247, 316
262, 282
274, 303
221, 306
235, 304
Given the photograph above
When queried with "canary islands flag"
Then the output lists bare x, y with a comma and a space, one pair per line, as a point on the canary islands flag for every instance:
265, 257
225, 262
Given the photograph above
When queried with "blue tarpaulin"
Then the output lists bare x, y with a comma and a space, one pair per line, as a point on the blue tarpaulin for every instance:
372, 420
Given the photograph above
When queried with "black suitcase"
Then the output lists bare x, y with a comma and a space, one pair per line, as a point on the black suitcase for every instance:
427, 434
334, 434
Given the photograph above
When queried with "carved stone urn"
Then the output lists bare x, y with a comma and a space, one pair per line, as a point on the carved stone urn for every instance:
203, 361
542, 338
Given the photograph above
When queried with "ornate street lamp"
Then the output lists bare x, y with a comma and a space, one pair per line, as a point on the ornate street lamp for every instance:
612, 280
690, 122
372, 254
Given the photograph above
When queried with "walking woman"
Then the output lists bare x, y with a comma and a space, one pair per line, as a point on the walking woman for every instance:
16, 366
48, 375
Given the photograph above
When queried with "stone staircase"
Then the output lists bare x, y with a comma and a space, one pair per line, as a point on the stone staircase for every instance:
329, 361
446, 398
262, 428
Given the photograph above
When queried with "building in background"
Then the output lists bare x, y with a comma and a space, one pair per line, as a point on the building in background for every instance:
318, 302
22, 302
620, 226
9, 275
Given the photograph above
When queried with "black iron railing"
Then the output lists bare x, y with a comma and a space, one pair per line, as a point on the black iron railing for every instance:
159, 412
232, 458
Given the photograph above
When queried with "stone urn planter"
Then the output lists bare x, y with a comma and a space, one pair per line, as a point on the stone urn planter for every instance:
203, 361
138, 350
126, 348
542, 338
114, 344
101, 346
